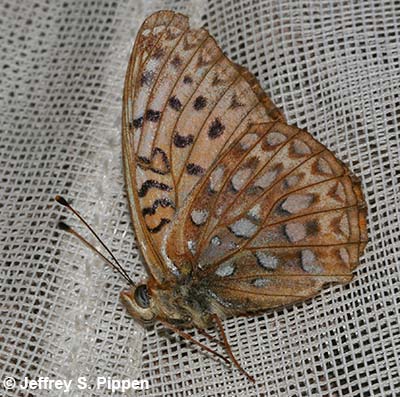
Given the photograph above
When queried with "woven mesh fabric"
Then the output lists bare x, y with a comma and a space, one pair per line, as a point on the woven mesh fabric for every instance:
333, 67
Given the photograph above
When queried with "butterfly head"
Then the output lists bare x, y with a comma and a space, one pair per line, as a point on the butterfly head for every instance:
139, 303
149, 303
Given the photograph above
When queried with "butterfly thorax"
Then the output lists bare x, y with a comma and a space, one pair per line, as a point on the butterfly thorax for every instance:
186, 304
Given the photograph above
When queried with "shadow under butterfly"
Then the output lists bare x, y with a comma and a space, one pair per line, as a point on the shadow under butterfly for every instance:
235, 211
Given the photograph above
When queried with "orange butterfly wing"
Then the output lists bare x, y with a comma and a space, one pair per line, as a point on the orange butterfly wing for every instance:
276, 218
184, 103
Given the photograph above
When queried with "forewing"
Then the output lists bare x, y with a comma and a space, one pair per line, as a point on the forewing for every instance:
185, 102
274, 220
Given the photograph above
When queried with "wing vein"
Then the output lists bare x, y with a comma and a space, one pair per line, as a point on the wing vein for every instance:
130, 162
286, 247
150, 96
182, 71
179, 118
288, 219
262, 195
204, 123
262, 293
266, 275
226, 181
280, 197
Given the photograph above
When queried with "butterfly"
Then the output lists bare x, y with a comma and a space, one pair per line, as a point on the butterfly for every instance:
235, 211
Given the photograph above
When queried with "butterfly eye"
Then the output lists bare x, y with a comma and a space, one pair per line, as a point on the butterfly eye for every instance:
142, 297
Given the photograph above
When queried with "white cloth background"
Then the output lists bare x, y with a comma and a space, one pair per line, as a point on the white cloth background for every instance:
333, 67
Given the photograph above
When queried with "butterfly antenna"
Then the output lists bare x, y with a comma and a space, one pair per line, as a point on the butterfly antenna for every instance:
117, 266
69, 229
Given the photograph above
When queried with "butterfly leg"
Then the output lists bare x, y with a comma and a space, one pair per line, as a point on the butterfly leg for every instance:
218, 321
185, 335
210, 337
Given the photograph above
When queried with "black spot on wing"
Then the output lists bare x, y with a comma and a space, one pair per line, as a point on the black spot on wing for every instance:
137, 123
216, 129
153, 115
166, 166
235, 103
194, 169
175, 103
187, 80
151, 183
200, 103
182, 141
147, 78
162, 168
163, 202
176, 62
163, 222
144, 160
